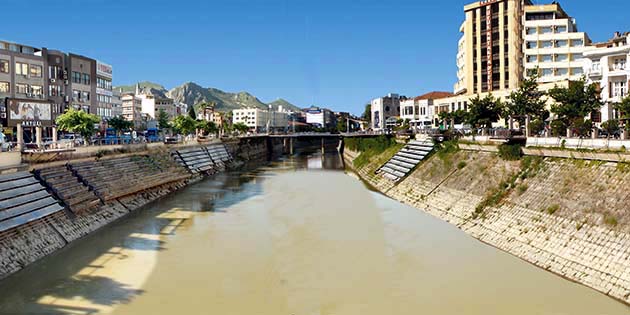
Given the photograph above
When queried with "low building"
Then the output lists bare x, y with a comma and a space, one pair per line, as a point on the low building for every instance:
606, 64
320, 117
153, 103
383, 108
419, 111
260, 120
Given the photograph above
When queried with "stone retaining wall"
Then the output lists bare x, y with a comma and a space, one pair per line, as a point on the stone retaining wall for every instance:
592, 254
25, 244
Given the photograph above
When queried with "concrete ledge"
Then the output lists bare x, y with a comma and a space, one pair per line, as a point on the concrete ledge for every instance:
566, 154
10, 159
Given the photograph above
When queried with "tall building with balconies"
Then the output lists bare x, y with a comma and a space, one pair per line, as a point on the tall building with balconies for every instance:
132, 109
552, 44
460, 86
606, 64
493, 46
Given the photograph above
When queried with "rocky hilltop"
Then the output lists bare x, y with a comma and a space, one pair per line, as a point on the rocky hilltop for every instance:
193, 94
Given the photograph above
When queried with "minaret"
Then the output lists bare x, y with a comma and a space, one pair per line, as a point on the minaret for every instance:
138, 88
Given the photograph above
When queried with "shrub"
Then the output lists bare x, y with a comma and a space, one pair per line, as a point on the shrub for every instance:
461, 165
553, 209
510, 152
536, 126
558, 128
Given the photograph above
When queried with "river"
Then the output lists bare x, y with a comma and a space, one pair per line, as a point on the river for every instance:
296, 237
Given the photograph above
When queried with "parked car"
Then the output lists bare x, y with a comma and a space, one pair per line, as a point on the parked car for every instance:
171, 140
73, 138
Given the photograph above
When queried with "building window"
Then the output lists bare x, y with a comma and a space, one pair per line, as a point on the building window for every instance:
576, 57
86, 79
547, 72
619, 89
21, 68
546, 44
76, 77
86, 96
577, 71
561, 43
54, 90
21, 88
532, 58
545, 30
4, 66
76, 95
531, 45
546, 58
619, 64
531, 31
54, 72
37, 90
5, 87
562, 71
561, 29
577, 43
36, 71
562, 57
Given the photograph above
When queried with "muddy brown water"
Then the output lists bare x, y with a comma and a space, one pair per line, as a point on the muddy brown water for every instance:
296, 237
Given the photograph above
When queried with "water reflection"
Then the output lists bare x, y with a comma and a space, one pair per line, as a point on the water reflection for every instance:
290, 237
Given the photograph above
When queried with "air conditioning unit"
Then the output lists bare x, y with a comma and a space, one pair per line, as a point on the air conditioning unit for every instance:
65, 82
67, 99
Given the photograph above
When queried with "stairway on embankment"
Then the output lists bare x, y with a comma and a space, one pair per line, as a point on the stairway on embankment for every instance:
405, 160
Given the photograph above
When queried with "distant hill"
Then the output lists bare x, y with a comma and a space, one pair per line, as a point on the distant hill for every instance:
154, 88
193, 94
285, 104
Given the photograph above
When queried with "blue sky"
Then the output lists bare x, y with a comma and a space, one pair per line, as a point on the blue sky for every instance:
337, 54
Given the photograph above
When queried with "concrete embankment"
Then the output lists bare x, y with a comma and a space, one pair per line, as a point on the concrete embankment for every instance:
568, 216
53, 204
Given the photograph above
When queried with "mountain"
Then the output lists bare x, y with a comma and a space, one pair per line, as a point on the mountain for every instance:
191, 93
285, 104
154, 88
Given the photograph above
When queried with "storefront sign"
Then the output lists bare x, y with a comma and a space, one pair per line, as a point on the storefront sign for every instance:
29, 113
103, 69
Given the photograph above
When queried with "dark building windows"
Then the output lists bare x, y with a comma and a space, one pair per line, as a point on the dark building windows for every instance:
86, 79
76, 77
4, 66
5, 87
55, 72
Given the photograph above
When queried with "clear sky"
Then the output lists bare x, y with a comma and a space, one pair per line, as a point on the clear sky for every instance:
333, 53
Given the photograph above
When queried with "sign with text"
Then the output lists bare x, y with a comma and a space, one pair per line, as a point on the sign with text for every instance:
29, 113
103, 69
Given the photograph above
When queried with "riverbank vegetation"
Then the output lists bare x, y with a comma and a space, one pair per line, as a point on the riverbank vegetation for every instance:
371, 148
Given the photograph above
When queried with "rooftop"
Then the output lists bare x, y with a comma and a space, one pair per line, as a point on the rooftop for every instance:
434, 95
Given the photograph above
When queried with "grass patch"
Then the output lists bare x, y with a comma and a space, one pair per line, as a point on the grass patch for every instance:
553, 208
610, 220
461, 165
510, 152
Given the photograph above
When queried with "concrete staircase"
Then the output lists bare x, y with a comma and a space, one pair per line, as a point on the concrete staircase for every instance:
114, 178
24, 199
69, 188
406, 159
203, 160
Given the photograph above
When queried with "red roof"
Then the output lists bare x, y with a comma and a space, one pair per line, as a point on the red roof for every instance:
434, 95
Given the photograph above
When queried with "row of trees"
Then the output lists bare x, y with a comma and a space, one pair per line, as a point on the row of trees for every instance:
80, 122
572, 106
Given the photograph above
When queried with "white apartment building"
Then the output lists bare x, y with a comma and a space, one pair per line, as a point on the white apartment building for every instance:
552, 43
460, 86
132, 109
152, 104
420, 111
259, 120
606, 64
384, 108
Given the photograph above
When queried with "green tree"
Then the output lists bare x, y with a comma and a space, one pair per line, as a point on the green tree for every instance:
611, 127
240, 127
191, 112
119, 124
184, 124
484, 111
163, 119
575, 102
342, 124
78, 121
527, 100
624, 109
367, 114
208, 127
